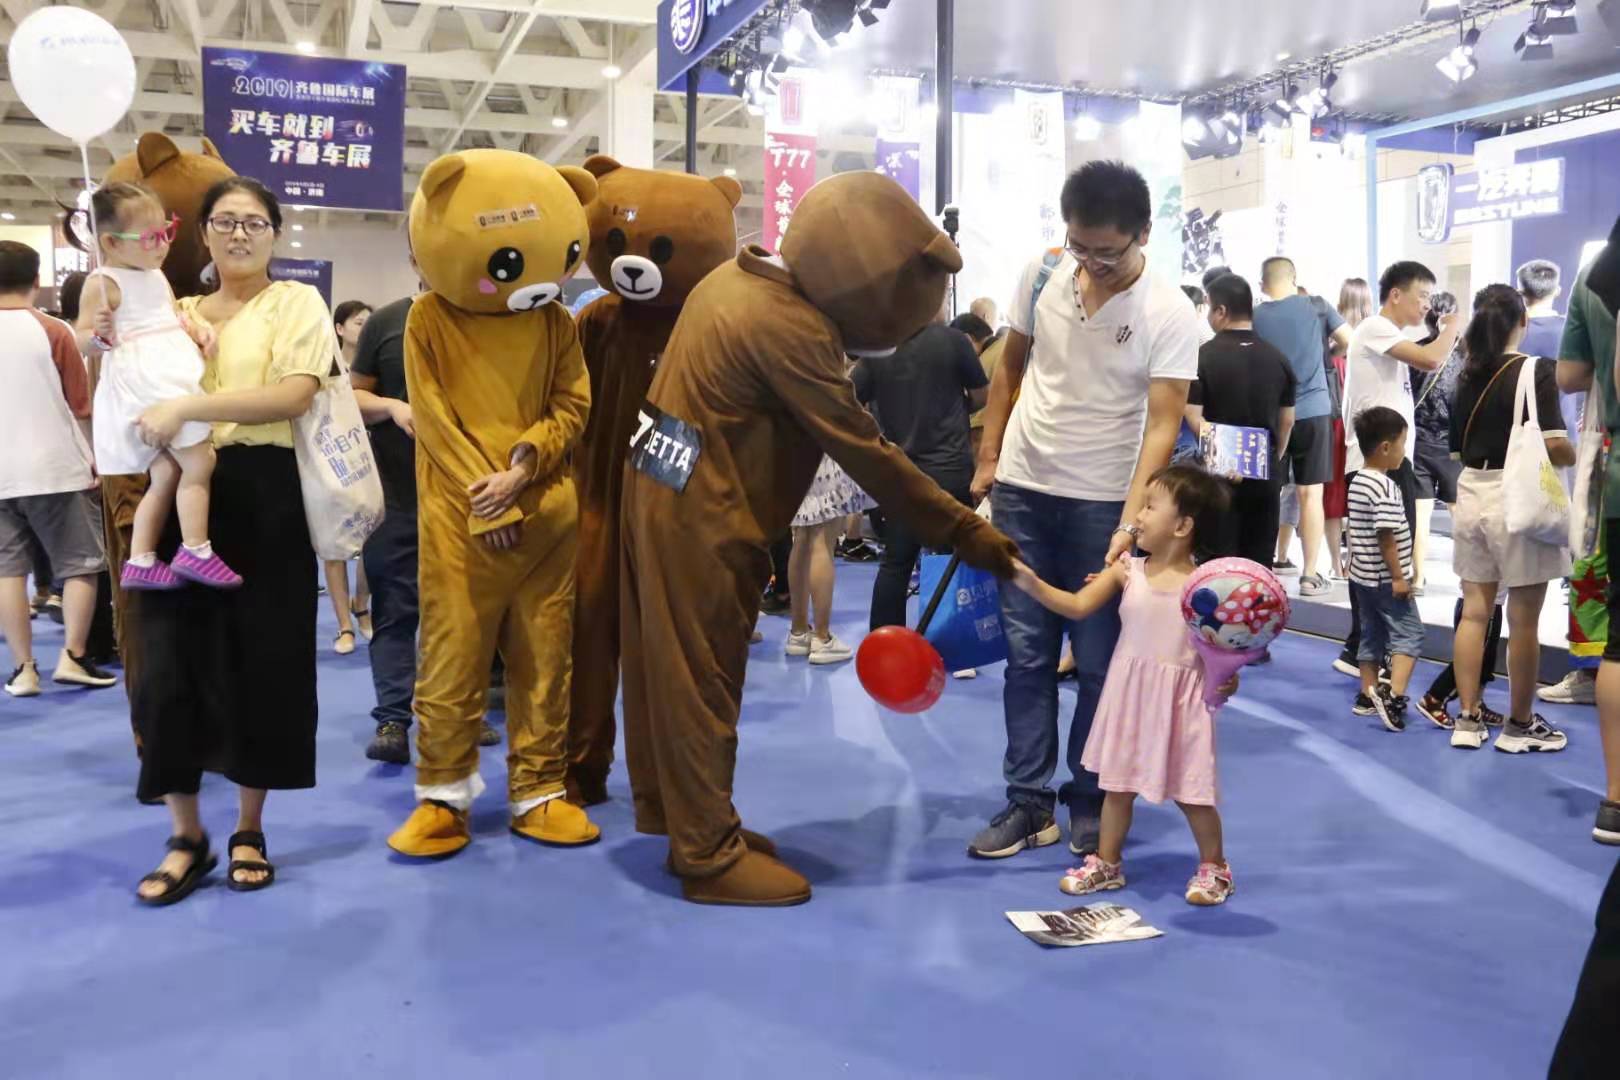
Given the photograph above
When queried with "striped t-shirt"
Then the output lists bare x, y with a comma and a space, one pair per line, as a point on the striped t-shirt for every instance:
1375, 504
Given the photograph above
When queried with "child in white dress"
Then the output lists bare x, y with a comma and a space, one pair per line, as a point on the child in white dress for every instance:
150, 354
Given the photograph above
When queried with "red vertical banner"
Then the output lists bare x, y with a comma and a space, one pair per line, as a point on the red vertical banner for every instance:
790, 158
790, 170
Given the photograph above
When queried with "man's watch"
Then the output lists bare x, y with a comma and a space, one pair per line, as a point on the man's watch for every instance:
1132, 531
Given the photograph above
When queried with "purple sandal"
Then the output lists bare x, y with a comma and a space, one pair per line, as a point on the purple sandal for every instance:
155, 578
211, 571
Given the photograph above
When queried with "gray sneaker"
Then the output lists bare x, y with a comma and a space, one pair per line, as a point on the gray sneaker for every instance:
1013, 830
1517, 738
1085, 830
1314, 585
1468, 732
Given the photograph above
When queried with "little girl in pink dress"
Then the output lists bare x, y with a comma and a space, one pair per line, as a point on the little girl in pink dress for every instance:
1152, 736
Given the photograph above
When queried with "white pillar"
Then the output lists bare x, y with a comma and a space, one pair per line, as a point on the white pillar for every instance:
630, 114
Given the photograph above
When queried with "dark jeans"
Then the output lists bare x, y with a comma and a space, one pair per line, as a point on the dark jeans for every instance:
1406, 481
1248, 529
900, 551
1062, 540
390, 562
1445, 683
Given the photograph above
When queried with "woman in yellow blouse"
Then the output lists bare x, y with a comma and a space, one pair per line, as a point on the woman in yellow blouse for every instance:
229, 677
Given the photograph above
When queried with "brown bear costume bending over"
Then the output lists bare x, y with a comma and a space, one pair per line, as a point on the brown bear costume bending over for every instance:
654, 236
749, 394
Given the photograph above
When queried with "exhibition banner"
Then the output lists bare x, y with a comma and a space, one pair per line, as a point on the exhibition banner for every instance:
899, 131
316, 272
689, 30
317, 132
1155, 149
1525, 189
1042, 168
790, 158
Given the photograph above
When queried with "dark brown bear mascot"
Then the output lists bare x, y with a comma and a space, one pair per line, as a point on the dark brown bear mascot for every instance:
654, 236
750, 393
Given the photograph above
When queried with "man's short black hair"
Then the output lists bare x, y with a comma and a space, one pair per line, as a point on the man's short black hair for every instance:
19, 267
1231, 292
973, 326
1538, 279
1376, 425
1401, 275
1195, 294
1107, 193
1278, 268
1214, 272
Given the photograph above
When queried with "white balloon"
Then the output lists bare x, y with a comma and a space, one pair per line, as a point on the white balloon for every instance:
73, 70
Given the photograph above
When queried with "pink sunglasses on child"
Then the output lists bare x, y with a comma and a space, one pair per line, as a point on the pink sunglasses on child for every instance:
151, 238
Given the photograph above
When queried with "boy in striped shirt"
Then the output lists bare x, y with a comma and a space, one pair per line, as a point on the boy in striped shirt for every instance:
1381, 565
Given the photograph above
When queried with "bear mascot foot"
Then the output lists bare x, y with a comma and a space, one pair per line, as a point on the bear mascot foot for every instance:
587, 787
557, 822
752, 840
755, 880
434, 830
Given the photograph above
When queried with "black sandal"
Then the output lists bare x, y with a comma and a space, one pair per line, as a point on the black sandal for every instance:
202, 862
254, 840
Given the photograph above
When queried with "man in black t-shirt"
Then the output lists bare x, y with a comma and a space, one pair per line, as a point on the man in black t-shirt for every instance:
378, 375
922, 397
1245, 382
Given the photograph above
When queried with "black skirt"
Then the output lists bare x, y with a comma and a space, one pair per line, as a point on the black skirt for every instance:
227, 680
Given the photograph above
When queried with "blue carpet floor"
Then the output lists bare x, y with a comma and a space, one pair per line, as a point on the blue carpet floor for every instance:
1404, 909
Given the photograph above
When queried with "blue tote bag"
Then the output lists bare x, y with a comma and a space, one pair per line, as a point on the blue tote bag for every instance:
966, 625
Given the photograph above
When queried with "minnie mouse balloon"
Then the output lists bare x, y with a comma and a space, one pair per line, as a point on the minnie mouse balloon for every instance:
73, 70
1234, 608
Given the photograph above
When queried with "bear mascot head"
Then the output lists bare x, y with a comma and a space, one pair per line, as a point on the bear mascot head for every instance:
180, 181
655, 235
495, 231
868, 257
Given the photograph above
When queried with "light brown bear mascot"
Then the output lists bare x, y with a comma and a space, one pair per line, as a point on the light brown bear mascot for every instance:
750, 393
500, 397
654, 236
180, 180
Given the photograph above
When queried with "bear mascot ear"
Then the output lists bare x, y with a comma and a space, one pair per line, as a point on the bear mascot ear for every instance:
599, 165
729, 188
155, 150
440, 173
583, 183
944, 254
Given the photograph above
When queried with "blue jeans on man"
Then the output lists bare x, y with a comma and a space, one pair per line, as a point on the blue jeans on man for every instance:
390, 561
1063, 540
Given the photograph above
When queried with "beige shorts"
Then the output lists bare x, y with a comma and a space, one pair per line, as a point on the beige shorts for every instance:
1483, 551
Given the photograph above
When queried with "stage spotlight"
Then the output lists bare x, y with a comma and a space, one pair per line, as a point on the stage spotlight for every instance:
780, 64
1459, 64
832, 17
1535, 43
1441, 10
1193, 130
868, 19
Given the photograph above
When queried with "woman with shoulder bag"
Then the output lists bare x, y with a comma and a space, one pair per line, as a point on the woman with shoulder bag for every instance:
229, 678
1486, 553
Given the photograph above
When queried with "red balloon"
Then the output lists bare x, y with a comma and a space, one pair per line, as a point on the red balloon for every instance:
900, 669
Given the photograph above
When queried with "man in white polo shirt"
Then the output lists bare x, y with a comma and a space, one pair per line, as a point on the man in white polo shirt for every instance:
1099, 355
1378, 369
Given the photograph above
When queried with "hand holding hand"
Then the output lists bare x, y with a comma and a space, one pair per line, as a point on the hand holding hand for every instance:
400, 413
505, 538
494, 494
160, 423
1119, 544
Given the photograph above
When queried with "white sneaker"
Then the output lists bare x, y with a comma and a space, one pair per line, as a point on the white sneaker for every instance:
831, 651
1576, 688
798, 644
1538, 735
1468, 732
24, 681
966, 673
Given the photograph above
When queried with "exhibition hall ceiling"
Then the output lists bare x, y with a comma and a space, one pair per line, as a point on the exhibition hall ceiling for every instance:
1174, 48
